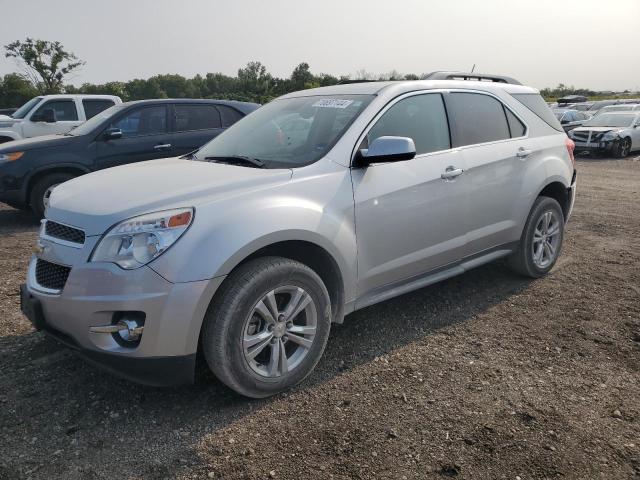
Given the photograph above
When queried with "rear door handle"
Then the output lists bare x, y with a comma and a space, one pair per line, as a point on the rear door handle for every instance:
523, 152
451, 172
162, 146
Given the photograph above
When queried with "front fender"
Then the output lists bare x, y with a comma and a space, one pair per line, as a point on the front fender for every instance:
223, 234
10, 134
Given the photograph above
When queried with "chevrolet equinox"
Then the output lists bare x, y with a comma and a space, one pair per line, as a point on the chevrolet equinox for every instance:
320, 203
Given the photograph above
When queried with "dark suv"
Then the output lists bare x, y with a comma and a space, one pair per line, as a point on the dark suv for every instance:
126, 133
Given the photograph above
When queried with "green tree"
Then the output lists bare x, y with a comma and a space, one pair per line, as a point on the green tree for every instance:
45, 64
15, 90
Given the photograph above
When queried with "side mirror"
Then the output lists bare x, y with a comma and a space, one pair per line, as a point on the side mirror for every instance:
48, 115
112, 134
386, 149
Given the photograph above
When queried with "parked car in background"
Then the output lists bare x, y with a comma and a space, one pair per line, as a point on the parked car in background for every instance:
572, 99
245, 252
581, 107
125, 133
570, 119
6, 112
621, 107
51, 114
615, 133
596, 106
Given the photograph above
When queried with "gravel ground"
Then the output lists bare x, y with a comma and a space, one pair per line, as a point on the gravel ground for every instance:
486, 375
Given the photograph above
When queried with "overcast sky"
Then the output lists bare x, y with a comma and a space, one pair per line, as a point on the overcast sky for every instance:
589, 43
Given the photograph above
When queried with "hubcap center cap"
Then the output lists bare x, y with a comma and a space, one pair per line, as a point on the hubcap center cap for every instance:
279, 330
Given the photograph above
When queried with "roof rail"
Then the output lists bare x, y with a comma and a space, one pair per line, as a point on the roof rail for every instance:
349, 82
481, 77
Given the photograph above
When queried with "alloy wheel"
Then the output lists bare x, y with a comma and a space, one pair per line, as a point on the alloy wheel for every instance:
546, 239
280, 331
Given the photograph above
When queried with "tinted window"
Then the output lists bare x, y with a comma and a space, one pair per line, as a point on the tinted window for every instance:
196, 117
94, 107
143, 121
229, 115
516, 127
537, 105
477, 118
419, 117
65, 110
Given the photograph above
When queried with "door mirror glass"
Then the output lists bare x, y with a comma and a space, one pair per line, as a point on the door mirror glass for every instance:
48, 115
387, 149
112, 134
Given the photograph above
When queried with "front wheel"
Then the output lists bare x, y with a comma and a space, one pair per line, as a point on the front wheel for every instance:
267, 327
41, 191
541, 240
624, 148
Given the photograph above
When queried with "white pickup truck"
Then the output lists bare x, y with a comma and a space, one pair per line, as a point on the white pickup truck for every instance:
51, 114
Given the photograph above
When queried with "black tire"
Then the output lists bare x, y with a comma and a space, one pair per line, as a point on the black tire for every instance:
36, 197
226, 321
623, 148
522, 260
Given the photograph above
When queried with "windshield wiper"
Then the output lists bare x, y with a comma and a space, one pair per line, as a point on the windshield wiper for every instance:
237, 160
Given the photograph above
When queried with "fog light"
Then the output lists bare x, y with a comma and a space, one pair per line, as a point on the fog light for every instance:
126, 328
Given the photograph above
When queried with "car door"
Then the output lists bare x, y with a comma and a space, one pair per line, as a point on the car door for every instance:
194, 125
494, 146
409, 220
635, 134
66, 118
144, 136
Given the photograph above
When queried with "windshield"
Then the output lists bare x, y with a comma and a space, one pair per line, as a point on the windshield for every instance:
93, 122
610, 120
616, 108
26, 108
288, 133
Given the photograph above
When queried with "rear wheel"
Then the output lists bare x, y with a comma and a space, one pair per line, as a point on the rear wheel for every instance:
623, 149
41, 191
541, 239
267, 327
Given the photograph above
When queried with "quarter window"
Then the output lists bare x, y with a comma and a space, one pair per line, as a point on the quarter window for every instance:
419, 117
516, 127
144, 121
229, 115
196, 117
477, 118
94, 107
65, 110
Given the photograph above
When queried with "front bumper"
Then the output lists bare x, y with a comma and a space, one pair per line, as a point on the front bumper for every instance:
602, 148
95, 293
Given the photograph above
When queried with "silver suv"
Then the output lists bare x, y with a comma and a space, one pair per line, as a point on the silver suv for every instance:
320, 203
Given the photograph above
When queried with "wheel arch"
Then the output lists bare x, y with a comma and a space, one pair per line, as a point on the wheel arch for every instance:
36, 175
308, 252
559, 192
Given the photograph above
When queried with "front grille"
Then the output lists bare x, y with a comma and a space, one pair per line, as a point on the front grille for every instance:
581, 136
63, 232
51, 275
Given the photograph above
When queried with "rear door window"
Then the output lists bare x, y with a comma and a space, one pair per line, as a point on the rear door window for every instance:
196, 117
419, 117
229, 115
94, 107
476, 118
66, 110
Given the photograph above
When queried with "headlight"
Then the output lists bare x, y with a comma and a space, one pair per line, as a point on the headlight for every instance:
135, 242
6, 124
10, 157
570, 133
610, 136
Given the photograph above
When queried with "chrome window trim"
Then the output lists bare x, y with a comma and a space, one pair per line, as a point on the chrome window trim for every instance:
441, 91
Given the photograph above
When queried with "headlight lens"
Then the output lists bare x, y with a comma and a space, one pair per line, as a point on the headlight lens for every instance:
10, 157
135, 242
610, 136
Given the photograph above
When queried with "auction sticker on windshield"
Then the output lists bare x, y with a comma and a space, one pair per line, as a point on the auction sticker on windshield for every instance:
332, 103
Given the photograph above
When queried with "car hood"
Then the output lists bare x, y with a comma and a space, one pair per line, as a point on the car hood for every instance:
44, 141
96, 201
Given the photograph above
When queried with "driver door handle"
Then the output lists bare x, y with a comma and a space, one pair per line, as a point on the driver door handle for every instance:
523, 152
162, 146
451, 172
